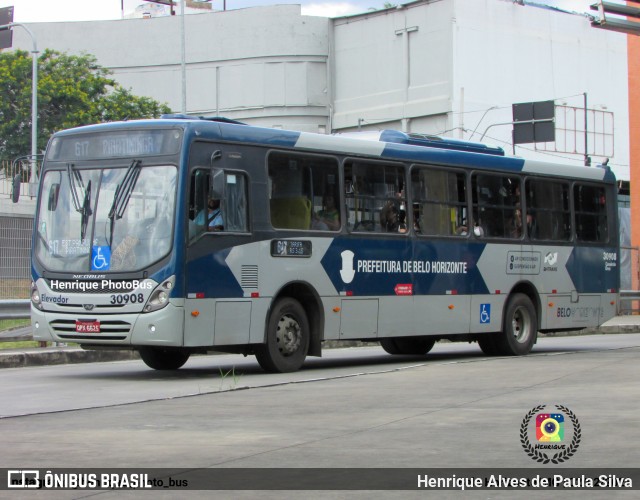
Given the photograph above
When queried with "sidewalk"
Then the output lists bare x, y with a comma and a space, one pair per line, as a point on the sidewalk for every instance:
40, 356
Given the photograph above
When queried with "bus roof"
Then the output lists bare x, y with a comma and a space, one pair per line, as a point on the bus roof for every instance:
386, 144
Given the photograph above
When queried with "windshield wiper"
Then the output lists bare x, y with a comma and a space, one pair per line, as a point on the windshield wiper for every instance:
86, 211
75, 179
123, 194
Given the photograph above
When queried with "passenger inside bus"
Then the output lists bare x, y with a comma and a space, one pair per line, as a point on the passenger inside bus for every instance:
329, 217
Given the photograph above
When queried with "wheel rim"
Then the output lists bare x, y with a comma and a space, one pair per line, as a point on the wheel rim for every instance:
288, 335
521, 324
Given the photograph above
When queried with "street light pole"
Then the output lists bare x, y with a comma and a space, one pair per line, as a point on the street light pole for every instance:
183, 58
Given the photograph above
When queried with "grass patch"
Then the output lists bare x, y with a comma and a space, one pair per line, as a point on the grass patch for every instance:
9, 324
25, 344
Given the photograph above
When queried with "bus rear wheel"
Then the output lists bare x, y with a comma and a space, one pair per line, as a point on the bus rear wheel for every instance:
408, 345
287, 339
520, 327
163, 358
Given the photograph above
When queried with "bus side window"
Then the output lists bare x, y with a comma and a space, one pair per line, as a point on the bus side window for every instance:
440, 201
209, 214
547, 209
303, 192
497, 206
375, 197
590, 207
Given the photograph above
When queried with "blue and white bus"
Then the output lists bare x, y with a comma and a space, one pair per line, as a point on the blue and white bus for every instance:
401, 239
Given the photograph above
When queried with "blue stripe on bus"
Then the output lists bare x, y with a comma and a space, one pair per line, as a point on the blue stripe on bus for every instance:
594, 269
211, 276
452, 158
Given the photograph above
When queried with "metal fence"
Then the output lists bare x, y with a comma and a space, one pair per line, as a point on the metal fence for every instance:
22, 167
15, 250
629, 280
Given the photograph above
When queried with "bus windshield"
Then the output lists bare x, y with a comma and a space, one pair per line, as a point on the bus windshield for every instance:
105, 219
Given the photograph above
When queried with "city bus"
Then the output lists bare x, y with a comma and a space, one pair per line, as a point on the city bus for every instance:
401, 239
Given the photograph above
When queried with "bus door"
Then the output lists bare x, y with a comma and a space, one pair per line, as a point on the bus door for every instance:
217, 309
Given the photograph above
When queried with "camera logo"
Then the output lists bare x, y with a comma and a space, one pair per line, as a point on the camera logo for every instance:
550, 427
557, 434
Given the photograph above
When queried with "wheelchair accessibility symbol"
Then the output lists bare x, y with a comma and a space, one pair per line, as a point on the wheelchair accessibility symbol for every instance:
100, 258
485, 314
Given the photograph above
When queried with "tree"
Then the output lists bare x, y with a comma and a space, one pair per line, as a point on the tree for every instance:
72, 91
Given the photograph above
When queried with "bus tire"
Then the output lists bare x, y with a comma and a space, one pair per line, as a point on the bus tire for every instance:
287, 339
487, 343
163, 358
408, 345
520, 327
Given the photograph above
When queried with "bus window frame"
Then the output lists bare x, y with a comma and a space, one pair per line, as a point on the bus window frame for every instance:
505, 174
610, 198
293, 154
466, 205
554, 180
384, 163
191, 240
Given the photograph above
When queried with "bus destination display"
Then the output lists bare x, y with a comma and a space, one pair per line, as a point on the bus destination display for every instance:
290, 248
127, 144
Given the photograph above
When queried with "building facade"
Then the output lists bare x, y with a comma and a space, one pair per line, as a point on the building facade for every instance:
446, 67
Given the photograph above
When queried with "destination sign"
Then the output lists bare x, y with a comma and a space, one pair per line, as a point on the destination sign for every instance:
116, 144
290, 248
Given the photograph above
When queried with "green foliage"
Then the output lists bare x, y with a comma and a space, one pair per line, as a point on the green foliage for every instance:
72, 91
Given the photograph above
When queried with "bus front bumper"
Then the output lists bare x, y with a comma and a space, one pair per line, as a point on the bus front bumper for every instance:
159, 328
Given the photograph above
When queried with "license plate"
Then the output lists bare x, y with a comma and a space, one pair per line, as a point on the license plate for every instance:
87, 327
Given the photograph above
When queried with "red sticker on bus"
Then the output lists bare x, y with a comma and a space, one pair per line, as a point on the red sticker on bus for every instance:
406, 289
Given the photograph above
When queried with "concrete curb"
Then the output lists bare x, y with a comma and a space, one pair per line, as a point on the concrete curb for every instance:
14, 358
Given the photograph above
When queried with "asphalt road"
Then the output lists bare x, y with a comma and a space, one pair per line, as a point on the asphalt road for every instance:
354, 408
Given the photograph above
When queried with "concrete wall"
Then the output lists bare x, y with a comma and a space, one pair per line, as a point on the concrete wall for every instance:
394, 69
267, 65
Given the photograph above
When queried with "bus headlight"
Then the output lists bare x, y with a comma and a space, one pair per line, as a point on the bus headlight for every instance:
35, 296
159, 298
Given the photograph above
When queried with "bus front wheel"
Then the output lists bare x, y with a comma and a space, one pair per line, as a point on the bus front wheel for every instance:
520, 327
287, 340
162, 358
408, 345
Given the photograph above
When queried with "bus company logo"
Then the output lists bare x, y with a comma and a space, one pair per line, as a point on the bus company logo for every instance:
347, 273
23, 479
551, 442
550, 260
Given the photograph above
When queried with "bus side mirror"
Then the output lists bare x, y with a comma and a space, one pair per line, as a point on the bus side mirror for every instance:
54, 191
15, 188
216, 188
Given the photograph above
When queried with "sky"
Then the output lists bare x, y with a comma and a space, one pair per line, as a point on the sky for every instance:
28, 11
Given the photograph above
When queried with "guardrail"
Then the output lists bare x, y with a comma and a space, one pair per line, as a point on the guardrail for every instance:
630, 297
15, 308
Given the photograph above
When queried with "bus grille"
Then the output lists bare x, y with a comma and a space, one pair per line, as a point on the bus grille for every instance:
249, 277
109, 330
